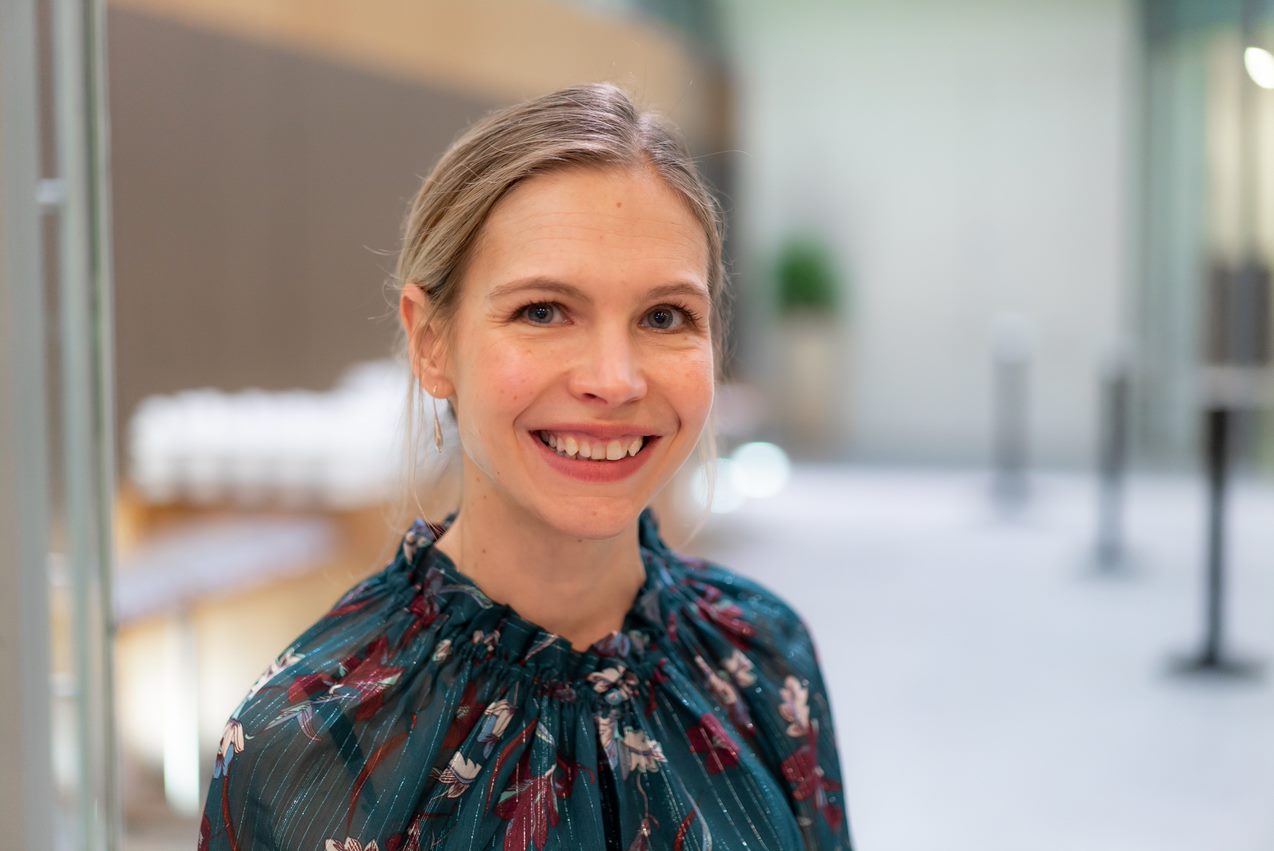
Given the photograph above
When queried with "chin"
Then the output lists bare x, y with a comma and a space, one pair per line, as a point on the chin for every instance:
593, 519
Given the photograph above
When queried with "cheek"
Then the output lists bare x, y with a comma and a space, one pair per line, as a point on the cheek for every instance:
693, 384
494, 390
506, 377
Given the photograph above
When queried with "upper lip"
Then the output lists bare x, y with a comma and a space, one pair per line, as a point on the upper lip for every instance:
599, 430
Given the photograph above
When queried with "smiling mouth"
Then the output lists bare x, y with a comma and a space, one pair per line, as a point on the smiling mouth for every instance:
570, 448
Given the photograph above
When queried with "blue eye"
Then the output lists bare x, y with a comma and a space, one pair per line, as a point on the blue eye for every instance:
539, 313
665, 317
672, 317
661, 317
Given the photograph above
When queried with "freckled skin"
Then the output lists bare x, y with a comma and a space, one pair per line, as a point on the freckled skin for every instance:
614, 234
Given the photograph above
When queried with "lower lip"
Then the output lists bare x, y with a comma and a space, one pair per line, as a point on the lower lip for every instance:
594, 471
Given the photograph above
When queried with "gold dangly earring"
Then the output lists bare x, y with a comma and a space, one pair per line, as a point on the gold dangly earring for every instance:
437, 422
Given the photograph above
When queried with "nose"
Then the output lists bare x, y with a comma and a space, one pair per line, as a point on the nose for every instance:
609, 369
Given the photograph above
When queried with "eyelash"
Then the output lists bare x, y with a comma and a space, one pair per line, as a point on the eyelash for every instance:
692, 316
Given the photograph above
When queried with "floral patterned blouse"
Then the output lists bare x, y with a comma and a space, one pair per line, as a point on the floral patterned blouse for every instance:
419, 714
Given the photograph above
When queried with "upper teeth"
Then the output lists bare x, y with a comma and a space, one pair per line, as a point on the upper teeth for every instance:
582, 446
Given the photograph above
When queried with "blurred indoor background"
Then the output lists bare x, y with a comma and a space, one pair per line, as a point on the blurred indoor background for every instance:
996, 416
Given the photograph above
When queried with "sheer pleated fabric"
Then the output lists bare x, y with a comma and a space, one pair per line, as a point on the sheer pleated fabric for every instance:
419, 714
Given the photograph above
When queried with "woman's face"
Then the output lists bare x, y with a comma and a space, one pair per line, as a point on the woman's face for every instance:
582, 320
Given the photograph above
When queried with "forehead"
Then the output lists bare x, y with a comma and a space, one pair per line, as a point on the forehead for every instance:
592, 225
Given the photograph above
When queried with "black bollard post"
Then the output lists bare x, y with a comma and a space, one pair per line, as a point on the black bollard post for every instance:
1010, 379
1217, 448
1112, 462
1212, 658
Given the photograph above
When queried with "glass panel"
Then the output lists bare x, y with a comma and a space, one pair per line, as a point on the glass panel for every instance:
1208, 235
78, 375
26, 783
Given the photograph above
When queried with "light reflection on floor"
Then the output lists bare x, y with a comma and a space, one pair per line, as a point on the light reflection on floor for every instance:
993, 690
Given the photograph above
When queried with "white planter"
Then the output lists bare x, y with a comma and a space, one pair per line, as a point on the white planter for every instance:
812, 380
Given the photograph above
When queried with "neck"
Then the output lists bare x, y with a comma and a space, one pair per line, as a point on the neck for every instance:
576, 587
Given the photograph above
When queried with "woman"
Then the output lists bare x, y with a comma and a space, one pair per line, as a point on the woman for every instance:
539, 670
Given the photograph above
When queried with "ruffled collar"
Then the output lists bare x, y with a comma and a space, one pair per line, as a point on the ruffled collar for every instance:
473, 624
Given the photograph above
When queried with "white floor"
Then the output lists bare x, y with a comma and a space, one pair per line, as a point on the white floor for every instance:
993, 690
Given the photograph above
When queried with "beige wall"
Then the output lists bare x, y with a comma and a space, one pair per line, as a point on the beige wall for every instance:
493, 49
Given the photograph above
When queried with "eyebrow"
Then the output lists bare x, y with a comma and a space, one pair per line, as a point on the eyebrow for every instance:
539, 282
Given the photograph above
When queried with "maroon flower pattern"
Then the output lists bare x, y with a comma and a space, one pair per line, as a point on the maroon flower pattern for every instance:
530, 805
801, 770
709, 737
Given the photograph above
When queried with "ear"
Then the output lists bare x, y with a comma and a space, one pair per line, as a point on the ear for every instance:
426, 347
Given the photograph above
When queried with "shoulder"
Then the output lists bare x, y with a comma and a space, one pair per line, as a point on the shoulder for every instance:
747, 613
760, 663
745, 641
716, 609
316, 702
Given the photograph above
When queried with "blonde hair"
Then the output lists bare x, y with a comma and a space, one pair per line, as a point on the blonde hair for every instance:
593, 125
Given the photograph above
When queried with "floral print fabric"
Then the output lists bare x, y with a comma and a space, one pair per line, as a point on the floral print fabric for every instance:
419, 714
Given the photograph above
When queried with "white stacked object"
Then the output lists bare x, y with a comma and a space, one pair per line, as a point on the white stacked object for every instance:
337, 449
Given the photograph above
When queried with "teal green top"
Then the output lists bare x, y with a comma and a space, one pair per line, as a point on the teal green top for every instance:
419, 714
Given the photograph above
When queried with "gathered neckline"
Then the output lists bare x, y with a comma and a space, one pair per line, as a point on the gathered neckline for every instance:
477, 626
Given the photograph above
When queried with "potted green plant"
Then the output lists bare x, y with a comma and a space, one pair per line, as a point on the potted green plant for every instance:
806, 278
809, 295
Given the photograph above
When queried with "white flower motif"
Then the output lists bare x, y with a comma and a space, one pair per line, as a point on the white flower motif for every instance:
443, 650
795, 706
740, 667
232, 736
724, 690
487, 639
501, 711
463, 768
416, 534
616, 683
495, 719
605, 680
606, 737
413, 833
641, 753
287, 658
350, 844
721, 687
606, 728
231, 744
458, 774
